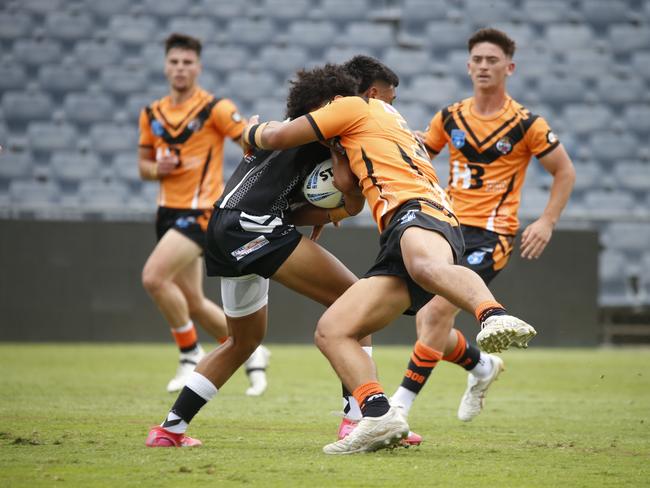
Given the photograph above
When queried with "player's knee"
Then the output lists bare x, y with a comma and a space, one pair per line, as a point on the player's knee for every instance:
151, 280
428, 274
325, 333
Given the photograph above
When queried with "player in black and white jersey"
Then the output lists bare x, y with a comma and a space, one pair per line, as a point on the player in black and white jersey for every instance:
251, 238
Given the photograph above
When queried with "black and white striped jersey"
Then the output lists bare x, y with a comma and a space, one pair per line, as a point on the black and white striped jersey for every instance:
268, 182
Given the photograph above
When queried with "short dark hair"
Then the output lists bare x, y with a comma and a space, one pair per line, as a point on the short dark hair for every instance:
493, 36
312, 88
182, 41
368, 70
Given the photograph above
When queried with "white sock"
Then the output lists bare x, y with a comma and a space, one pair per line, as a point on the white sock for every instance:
350, 404
404, 397
484, 366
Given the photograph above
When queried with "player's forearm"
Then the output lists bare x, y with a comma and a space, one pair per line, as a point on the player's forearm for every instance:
148, 169
309, 215
353, 203
561, 188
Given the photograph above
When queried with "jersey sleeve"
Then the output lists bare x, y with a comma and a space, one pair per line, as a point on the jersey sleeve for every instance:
338, 117
434, 138
146, 138
540, 139
227, 119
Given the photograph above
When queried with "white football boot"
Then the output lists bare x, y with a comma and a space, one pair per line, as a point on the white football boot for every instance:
371, 434
186, 364
256, 370
473, 399
499, 332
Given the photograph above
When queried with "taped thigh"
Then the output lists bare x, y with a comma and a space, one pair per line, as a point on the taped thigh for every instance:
244, 295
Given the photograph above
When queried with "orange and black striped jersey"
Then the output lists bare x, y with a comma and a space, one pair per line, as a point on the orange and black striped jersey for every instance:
391, 164
488, 157
195, 130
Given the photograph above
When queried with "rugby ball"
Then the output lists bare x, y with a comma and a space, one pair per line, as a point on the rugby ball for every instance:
319, 188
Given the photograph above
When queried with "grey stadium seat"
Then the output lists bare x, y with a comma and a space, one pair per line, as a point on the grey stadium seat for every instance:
33, 193
633, 175
251, 31
555, 90
534, 60
407, 62
26, 105
125, 166
96, 53
443, 35
132, 29
285, 9
641, 63
14, 164
201, 28
415, 114
225, 58
603, 12
588, 175
620, 90
586, 118
51, 136
588, 62
434, 91
65, 77
344, 10
37, 51
107, 9
367, 34
420, 11
283, 60
166, 8
608, 204
340, 54
313, 34
270, 109
637, 118
559, 36
224, 9
522, 34
42, 7
123, 79
484, 13
12, 75
99, 195
14, 25
244, 85
544, 11
624, 38
626, 236
109, 138
69, 26
610, 147
88, 107
614, 283
73, 165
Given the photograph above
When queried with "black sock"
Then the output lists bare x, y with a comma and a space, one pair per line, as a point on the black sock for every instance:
187, 405
375, 405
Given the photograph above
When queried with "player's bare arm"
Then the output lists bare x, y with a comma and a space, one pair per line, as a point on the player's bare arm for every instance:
537, 235
279, 135
152, 168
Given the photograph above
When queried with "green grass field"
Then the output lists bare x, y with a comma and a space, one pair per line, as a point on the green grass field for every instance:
77, 415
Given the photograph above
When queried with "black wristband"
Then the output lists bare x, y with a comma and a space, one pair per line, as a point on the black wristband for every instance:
251, 135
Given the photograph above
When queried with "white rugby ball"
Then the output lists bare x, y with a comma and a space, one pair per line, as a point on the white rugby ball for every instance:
319, 188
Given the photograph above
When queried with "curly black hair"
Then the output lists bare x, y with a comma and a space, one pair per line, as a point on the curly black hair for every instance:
369, 70
312, 88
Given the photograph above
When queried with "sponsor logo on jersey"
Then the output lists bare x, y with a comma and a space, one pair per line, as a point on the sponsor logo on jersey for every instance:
476, 258
504, 146
457, 138
551, 137
184, 222
157, 128
249, 247
410, 215
195, 125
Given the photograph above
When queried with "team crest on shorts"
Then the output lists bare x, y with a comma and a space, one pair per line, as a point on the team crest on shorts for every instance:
249, 247
504, 145
157, 128
476, 258
457, 138
185, 222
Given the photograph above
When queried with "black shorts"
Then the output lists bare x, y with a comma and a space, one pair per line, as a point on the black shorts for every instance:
239, 244
389, 260
486, 252
192, 223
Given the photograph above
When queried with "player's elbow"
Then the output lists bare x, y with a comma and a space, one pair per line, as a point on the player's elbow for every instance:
276, 138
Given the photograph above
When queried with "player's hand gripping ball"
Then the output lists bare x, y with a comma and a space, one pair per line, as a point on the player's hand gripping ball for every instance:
319, 187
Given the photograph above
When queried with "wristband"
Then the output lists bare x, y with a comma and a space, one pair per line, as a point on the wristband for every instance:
154, 172
254, 136
338, 214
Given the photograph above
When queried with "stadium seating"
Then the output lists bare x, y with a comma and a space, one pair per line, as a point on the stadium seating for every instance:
74, 76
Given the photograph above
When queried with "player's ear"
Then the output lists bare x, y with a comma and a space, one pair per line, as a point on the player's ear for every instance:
336, 97
511, 68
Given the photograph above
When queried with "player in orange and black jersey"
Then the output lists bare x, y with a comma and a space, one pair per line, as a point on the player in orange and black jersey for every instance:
181, 145
491, 140
420, 244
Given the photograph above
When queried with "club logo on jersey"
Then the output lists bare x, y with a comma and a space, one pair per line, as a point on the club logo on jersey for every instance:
476, 258
157, 128
551, 137
410, 215
457, 138
504, 146
195, 125
184, 222
235, 117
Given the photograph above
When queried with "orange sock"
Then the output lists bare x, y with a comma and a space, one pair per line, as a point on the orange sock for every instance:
185, 337
487, 309
459, 350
